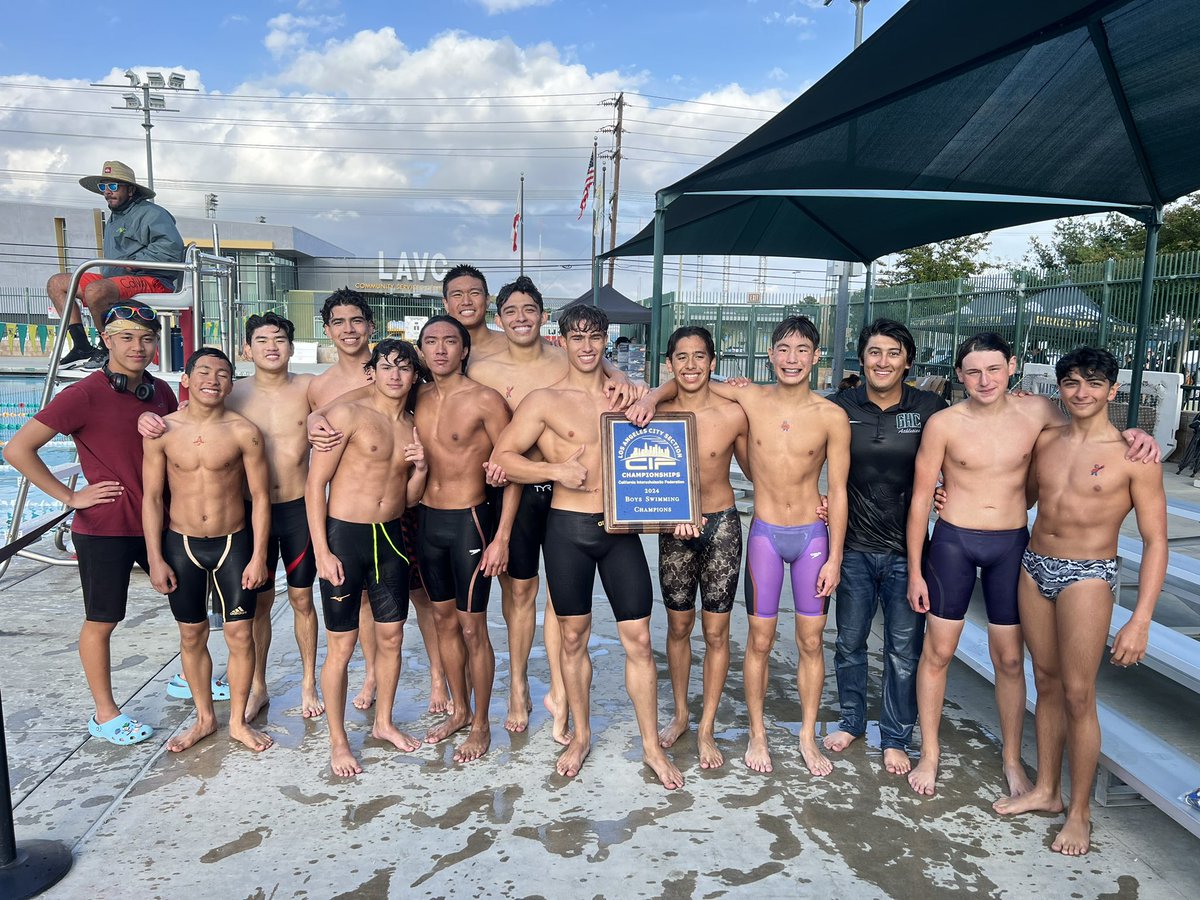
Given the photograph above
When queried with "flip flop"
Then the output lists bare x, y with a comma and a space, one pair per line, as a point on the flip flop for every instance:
178, 687
122, 730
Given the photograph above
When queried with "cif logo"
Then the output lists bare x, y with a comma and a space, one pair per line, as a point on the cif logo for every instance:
649, 453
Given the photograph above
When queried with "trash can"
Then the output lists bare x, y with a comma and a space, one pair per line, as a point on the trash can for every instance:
176, 348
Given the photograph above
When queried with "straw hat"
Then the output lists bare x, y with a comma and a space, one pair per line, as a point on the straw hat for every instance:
114, 170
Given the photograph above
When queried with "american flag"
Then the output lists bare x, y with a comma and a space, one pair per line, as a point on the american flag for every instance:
589, 182
516, 221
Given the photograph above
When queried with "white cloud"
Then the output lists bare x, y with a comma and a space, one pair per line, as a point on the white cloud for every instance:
288, 34
495, 7
777, 74
425, 158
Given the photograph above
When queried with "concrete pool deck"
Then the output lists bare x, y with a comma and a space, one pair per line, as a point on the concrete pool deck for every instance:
220, 821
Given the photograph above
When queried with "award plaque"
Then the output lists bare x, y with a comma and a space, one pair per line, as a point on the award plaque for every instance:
651, 482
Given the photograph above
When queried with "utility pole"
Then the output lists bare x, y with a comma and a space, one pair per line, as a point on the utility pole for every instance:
617, 130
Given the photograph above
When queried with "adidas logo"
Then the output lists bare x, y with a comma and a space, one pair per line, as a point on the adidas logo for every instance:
238, 612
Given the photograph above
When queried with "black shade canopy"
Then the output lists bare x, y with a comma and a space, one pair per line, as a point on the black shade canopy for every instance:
619, 308
1071, 106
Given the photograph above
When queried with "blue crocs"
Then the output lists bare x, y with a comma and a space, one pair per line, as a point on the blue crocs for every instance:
178, 688
122, 730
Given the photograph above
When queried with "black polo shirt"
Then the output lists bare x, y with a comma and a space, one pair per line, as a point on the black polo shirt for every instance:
883, 454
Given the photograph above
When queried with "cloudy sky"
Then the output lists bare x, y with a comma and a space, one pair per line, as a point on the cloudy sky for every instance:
404, 127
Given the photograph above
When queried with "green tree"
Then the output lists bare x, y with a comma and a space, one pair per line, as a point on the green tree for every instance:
944, 261
1081, 240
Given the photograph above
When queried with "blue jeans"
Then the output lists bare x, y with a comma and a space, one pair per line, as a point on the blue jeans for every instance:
871, 580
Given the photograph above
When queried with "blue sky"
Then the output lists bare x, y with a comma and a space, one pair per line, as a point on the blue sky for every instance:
683, 47
389, 127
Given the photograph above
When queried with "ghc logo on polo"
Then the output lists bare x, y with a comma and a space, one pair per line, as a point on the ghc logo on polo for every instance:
908, 423
649, 450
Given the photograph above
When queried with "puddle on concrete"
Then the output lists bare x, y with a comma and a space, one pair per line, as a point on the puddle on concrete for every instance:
375, 888
478, 842
294, 793
247, 841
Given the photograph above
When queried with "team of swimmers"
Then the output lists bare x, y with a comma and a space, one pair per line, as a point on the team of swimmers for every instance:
438, 467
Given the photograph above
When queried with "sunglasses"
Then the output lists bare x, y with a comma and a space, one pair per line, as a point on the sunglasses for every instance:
112, 186
145, 313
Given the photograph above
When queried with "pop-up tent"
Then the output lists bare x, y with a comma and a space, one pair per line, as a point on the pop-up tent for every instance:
620, 309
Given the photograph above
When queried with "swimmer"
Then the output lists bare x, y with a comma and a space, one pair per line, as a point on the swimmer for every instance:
708, 559
462, 544
1084, 487
202, 460
886, 420
528, 363
276, 400
563, 422
372, 475
349, 324
982, 525
793, 433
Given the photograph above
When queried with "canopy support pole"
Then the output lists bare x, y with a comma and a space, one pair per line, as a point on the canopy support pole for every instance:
841, 322
656, 298
1145, 297
868, 294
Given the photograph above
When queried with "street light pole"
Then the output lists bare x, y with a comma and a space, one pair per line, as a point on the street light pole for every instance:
148, 102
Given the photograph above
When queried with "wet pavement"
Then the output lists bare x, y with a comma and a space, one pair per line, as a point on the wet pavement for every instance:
220, 821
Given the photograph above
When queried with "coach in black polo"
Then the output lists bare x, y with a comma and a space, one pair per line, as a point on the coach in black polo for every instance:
886, 420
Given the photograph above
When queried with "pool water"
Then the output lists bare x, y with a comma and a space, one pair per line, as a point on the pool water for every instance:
20, 398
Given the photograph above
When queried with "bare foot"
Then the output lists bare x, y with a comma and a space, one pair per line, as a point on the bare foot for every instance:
476, 744
519, 706
839, 741
311, 704
675, 729
710, 756
447, 727
250, 737
1018, 781
254, 704
1075, 838
344, 763
758, 757
439, 696
896, 761
386, 731
668, 775
365, 698
570, 761
814, 760
1037, 800
558, 714
923, 779
193, 735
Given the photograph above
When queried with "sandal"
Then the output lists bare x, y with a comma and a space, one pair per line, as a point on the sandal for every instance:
178, 687
122, 730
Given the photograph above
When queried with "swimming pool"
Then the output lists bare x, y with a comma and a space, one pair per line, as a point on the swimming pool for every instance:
20, 396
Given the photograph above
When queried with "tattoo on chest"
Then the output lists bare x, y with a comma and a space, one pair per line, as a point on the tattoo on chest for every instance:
508, 392
1096, 470
785, 425
199, 440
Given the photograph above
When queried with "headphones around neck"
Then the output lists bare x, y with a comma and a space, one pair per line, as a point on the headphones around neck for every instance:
120, 384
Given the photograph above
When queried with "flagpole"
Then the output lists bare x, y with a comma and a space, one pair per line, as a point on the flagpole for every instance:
601, 200
521, 222
595, 265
